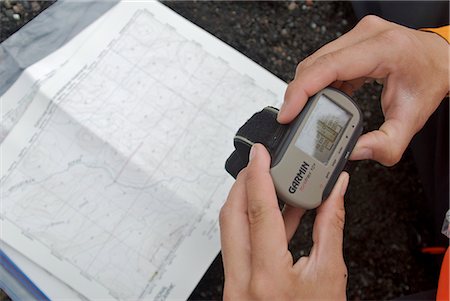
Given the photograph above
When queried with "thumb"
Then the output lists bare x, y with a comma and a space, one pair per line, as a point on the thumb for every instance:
329, 223
267, 233
385, 145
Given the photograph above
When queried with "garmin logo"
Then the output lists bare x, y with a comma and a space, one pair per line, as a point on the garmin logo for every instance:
298, 177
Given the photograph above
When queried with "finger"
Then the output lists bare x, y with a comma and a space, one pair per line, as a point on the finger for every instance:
234, 232
337, 84
385, 145
329, 224
292, 217
267, 233
349, 87
364, 59
368, 27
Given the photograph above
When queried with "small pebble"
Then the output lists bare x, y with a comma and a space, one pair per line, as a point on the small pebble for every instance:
26, 4
323, 29
344, 22
7, 3
16, 17
338, 34
35, 6
292, 6
18, 8
304, 7
313, 25
284, 32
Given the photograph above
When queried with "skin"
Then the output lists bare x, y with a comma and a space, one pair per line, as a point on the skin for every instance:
414, 69
412, 65
255, 236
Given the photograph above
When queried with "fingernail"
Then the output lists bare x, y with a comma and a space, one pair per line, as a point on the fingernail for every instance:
344, 184
252, 153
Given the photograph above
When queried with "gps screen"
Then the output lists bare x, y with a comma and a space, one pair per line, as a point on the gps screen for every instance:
323, 129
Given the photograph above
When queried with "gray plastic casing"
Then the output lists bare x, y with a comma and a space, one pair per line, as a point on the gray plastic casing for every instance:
313, 179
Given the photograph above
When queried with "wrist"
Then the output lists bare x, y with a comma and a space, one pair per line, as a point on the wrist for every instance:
438, 40
439, 53
443, 32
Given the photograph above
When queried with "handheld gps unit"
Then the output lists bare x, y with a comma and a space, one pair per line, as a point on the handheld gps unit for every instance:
309, 153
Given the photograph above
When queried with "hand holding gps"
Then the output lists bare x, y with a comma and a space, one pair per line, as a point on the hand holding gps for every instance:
309, 153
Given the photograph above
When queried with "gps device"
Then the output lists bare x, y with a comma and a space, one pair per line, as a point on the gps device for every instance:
309, 153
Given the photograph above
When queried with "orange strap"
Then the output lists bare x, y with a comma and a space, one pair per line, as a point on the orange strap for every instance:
442, 31
443, 285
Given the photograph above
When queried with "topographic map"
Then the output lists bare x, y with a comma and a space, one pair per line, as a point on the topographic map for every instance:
122, 168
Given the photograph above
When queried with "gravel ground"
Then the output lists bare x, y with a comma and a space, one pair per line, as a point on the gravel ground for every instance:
14, 14
384, 221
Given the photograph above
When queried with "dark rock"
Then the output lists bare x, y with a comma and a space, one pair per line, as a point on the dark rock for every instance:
292, 6
18, 8
7, 3
26, 4
35, 6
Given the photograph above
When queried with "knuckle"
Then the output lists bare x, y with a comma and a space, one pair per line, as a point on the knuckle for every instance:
324, 59
370, 22
340, 218
392, 155
398, 37
303, 64
327, 59
257, 212
389, 151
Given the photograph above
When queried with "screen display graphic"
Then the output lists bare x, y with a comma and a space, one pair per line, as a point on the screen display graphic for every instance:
323, 129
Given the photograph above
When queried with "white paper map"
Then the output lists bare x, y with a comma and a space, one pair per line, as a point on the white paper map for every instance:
113, 178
